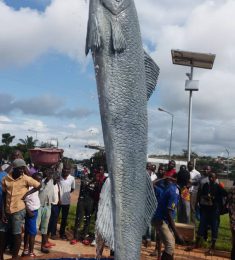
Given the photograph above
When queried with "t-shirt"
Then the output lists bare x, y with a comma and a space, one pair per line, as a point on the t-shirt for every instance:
168, 200
195, 176
32, 200
211, 196
65, 189
170, 173
2, 174
153, 176
159, 188
56, 194
46, 193
15, 190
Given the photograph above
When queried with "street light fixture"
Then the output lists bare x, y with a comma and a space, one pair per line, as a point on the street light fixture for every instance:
172, 122
192, 59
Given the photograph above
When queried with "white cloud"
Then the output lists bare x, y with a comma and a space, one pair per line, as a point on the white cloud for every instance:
73, 126
29, 33
4, 119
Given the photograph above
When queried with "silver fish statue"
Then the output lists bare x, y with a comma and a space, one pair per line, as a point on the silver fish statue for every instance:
126, 77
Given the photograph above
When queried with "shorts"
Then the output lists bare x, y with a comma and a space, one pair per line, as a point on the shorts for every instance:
31, 224
43, 218
16, 221
167, 238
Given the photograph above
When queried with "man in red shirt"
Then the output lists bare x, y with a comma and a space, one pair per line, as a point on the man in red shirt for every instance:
171, 171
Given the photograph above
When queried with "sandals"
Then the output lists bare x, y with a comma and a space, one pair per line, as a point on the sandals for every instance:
210, 252
25, 253
50, 244
73, 242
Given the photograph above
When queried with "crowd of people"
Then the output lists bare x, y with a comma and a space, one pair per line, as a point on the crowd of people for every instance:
31, 199
190, 195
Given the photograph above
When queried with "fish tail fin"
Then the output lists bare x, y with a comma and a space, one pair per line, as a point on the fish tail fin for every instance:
151, 203
152, 72
118, 39
93, 38
104, 223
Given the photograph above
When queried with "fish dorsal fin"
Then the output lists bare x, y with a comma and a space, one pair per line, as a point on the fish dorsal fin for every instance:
152, 71
118, 39
151, 203
104, 223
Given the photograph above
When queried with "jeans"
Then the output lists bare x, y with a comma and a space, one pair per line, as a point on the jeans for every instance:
84, 209
209, 216
184, 211
65, 213
53, 220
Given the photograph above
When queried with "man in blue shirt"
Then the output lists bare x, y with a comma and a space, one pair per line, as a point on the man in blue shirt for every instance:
164, 217
3, 225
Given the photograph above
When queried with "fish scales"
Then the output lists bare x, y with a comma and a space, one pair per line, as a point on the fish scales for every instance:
123, 104
121, 85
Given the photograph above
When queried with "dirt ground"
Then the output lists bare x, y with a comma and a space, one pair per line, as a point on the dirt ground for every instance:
63, 249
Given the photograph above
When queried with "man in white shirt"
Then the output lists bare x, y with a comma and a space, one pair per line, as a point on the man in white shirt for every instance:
67, 186
54, 208
195, 177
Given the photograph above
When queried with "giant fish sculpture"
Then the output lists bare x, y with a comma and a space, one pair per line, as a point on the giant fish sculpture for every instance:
126, 76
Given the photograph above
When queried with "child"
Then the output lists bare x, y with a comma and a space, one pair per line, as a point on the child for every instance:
32, 205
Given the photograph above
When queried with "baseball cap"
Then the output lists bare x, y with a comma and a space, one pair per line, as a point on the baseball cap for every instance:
18, 163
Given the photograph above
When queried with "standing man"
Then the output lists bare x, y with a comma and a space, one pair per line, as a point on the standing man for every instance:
84, 209
171, 171
3, 225
231, 209
183, 178
195, 177
15, 187
46, 196
67, 186
150, 168
210, 197
164, 216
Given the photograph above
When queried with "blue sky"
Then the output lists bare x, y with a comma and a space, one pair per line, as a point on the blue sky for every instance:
48, 85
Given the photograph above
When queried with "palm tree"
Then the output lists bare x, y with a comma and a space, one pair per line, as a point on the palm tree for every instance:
29, 142
7, 138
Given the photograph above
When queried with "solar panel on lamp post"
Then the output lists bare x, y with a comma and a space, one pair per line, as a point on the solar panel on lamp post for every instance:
192, 59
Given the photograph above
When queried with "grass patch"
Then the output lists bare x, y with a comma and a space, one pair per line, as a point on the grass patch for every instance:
224, 236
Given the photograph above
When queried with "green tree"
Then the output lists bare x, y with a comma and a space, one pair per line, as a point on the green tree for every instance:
29, 142
46, 145
7, 138
6, 149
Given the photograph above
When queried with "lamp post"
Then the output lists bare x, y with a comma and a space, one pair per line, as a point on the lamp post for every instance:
192, 59
172, 122
227, 150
